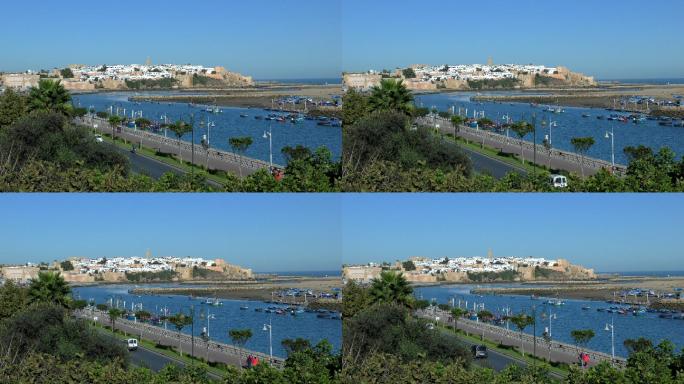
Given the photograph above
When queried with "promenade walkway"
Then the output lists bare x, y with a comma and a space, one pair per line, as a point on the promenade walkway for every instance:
553, 351
211, 351
554, 159
209, 158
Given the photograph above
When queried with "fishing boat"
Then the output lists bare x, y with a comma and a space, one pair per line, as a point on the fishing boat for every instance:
556, 302
258, 309
600, 117
243, 307
258, 117
586, 308
243, 115
586, 115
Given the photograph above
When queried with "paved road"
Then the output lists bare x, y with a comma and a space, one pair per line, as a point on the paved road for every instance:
155, 361
495, 167
151, 167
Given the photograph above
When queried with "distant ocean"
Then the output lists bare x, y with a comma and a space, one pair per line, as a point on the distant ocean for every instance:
319, 81
647, 273
304, 273
646, 81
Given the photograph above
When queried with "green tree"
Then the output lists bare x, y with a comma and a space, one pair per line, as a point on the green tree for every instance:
391, 287
522, 129
582, 145
409, 73
356, 298
67, 73
13, 298
582, 337
49, 287
391, 95
180, 128
240, 145
142, 123
522, 321
66, 265
180, 321
408, 265
12, 107
50, 96
485, 316
115, 313
115, 121
354, 107
457, 313
239, 337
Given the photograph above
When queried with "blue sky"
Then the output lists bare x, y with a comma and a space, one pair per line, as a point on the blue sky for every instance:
609, 232
262, 38
265, 232
606, 38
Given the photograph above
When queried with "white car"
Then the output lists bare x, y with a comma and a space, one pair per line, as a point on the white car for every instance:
98, 138
132, 344
559, 181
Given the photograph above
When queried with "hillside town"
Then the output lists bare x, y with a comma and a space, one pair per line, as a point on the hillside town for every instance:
467, 269
472, 76
118, 269
79, 77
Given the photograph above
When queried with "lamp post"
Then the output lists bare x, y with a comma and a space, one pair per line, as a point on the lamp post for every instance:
610, 327
269, 135
269, 327
611, 135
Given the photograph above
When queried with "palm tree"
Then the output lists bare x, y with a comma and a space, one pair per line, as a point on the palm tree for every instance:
180, 320
391, 95
50, 96
115, 121
180, 128
457, 313
240, 145
582, 145
115, 313
522, 321
240, 338
522, 128
582, 338
391, 287
50, 287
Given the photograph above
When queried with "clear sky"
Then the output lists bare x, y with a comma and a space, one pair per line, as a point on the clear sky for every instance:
269, 233
262, 38
605, 38
608, 232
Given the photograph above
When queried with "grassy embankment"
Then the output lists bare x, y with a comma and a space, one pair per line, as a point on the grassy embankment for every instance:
216, 369
170, 159
510, 159
560, 369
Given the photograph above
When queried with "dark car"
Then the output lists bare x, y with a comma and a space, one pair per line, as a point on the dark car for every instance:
479, 351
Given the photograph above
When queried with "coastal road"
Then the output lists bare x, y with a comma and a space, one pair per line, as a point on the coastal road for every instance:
153, 168
486, 164
147, 358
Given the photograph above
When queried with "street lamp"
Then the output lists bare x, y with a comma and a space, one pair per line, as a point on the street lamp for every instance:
611, 135
269, 327
269, 135
610, 327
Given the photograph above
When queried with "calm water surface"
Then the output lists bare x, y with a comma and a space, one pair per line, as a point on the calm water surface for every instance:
569, 124
570, 316
227, 316
227, 124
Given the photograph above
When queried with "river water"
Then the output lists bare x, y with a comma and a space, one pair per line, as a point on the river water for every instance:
227, 124
570, 124
568, 317
226, 316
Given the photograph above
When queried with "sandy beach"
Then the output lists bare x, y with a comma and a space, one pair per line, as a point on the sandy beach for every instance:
602, 290
259, 290
257, 97
603, 97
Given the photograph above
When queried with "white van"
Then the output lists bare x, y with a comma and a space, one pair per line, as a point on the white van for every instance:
559, 181
132, 344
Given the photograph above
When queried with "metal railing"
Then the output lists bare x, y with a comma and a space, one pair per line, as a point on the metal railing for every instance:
105, 127
157, 333
557, 346
447, 126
